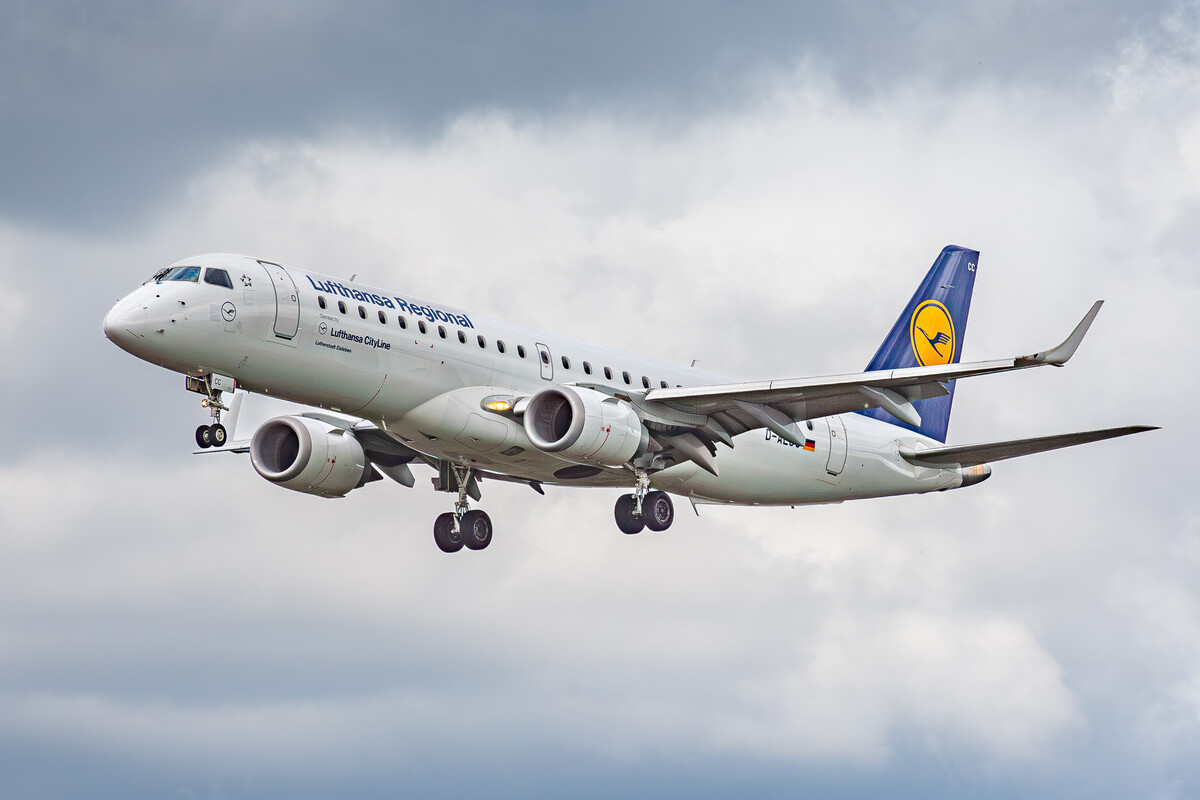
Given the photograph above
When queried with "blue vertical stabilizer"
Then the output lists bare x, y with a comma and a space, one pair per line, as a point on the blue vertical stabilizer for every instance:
929, 332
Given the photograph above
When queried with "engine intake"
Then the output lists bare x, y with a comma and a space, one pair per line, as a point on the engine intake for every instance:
584, 426
308, 456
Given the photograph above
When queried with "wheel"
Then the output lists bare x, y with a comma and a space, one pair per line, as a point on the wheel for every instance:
476, 530
217, 435
204, 436
444, 535
627, 520
658, 510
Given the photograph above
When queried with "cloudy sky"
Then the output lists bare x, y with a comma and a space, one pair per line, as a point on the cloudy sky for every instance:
758, 186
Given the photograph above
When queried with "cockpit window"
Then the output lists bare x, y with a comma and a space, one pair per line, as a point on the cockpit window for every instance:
218, 277
178, 274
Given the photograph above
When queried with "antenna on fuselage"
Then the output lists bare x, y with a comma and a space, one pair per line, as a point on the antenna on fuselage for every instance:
352, 277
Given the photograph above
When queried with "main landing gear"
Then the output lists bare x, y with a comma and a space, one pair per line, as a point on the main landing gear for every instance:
644, 508
462, 527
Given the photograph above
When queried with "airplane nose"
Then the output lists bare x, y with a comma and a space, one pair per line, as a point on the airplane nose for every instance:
125, 323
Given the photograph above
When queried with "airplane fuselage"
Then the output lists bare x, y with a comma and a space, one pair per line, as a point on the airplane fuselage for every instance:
422, 371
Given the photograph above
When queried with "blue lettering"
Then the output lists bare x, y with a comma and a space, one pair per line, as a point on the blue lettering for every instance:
395, 303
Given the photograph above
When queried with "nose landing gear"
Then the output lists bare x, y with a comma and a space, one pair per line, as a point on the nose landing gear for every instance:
211, 386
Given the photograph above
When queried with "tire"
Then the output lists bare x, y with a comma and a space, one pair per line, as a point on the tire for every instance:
658, 511
444, 536
218, 435
204, 437
627, 520
476, 530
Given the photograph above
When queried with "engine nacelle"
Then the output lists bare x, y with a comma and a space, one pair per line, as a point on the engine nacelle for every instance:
308, 456
585, 426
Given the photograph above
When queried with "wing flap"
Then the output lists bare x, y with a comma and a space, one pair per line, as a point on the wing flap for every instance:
970, 455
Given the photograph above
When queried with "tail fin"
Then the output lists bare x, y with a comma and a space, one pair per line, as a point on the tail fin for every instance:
930, 331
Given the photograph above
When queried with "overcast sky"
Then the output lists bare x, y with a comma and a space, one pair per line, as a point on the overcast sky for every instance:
758, 186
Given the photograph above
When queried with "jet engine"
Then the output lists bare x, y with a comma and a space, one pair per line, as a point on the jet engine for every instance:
309, 456
585, 426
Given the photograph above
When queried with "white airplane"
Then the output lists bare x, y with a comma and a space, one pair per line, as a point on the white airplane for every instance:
476, 399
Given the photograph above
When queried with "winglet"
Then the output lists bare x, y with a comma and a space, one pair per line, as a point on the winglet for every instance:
1058, 356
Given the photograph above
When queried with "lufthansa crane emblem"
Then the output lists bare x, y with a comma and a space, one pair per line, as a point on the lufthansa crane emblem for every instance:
932, 333
228, 311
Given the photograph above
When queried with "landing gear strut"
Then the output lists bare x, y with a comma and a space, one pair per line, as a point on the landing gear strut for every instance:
644, 508
462, 527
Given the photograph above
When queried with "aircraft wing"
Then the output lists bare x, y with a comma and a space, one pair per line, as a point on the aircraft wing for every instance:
738, 407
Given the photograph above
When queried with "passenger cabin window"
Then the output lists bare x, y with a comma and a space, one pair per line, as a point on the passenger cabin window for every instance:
421, 325
500, 345
625, 375
341, 306
587, 368
545, 357
321, 301
607, 374
362, 312
402, 321
663, 384
645, 382
382, 317
462, 338
521, 351
442, 331
482, 342
218, 277
566, 362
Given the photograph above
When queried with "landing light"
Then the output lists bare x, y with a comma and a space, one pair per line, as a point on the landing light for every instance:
498, 405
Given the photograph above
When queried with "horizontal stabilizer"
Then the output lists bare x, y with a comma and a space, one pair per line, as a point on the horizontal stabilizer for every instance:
971, 454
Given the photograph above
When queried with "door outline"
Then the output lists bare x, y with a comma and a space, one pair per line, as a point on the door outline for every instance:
546, 361
837, 446
287, 301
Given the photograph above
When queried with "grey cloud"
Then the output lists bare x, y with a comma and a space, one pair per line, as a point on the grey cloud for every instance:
109, 109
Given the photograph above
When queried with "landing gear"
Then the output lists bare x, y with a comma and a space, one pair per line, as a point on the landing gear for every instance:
658, 510
476, 529
644, 509
211, 387
447, 538
628, 520
462, 527
211, 435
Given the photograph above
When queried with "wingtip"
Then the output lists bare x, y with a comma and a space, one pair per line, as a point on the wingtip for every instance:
1060, 355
